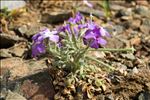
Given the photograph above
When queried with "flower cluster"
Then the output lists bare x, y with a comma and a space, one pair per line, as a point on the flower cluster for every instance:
93, 36
38, 46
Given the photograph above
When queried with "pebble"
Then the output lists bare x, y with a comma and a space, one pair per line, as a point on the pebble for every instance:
118, 29
135, 70
122, 68
22, 30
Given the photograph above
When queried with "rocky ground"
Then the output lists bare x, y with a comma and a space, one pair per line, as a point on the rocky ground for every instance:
25, 78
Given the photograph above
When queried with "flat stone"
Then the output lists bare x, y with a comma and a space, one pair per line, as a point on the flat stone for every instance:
12, 4
21, 68
14, 96
135, 70
22, 30
55, 17
144, 95
18, 49
109, 97
145, 27
135, 41
86, 10
118, 29
128, 56
148, 85
121, 68
32, 30
124, 12
136, 23
143, 11
116, 7
9, 40
5, 53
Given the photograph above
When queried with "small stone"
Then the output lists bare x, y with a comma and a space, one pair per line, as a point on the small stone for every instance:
142, 2
135, 70
129, 56
124, 12
145, 27
33, 29
114, 43
11, 5
4, 53
86, 10
18, 49
109, 97
121, 67
116, 7
100, 97
143, 11
55, 17
144, 95
14, 96
135, 41
126, 18
22, 30
136, 23
118, 29
148, 86
97, 54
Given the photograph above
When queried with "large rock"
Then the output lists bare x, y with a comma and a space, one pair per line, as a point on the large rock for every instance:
12, 4
21, 68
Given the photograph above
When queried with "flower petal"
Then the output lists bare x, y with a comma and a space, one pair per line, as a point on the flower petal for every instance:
94, 44
54, 38
102, 41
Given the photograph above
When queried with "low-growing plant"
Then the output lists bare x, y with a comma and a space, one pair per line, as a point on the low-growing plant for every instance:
69, 45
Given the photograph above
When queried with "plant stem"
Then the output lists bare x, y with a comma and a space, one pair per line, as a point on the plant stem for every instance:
100, 62
110, 49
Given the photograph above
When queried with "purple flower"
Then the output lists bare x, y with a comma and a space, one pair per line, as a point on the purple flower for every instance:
38, 46
37, 49
46, 34
77, 18
65, 28
94, 35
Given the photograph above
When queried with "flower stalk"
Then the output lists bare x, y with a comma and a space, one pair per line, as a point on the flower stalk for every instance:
114, 50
